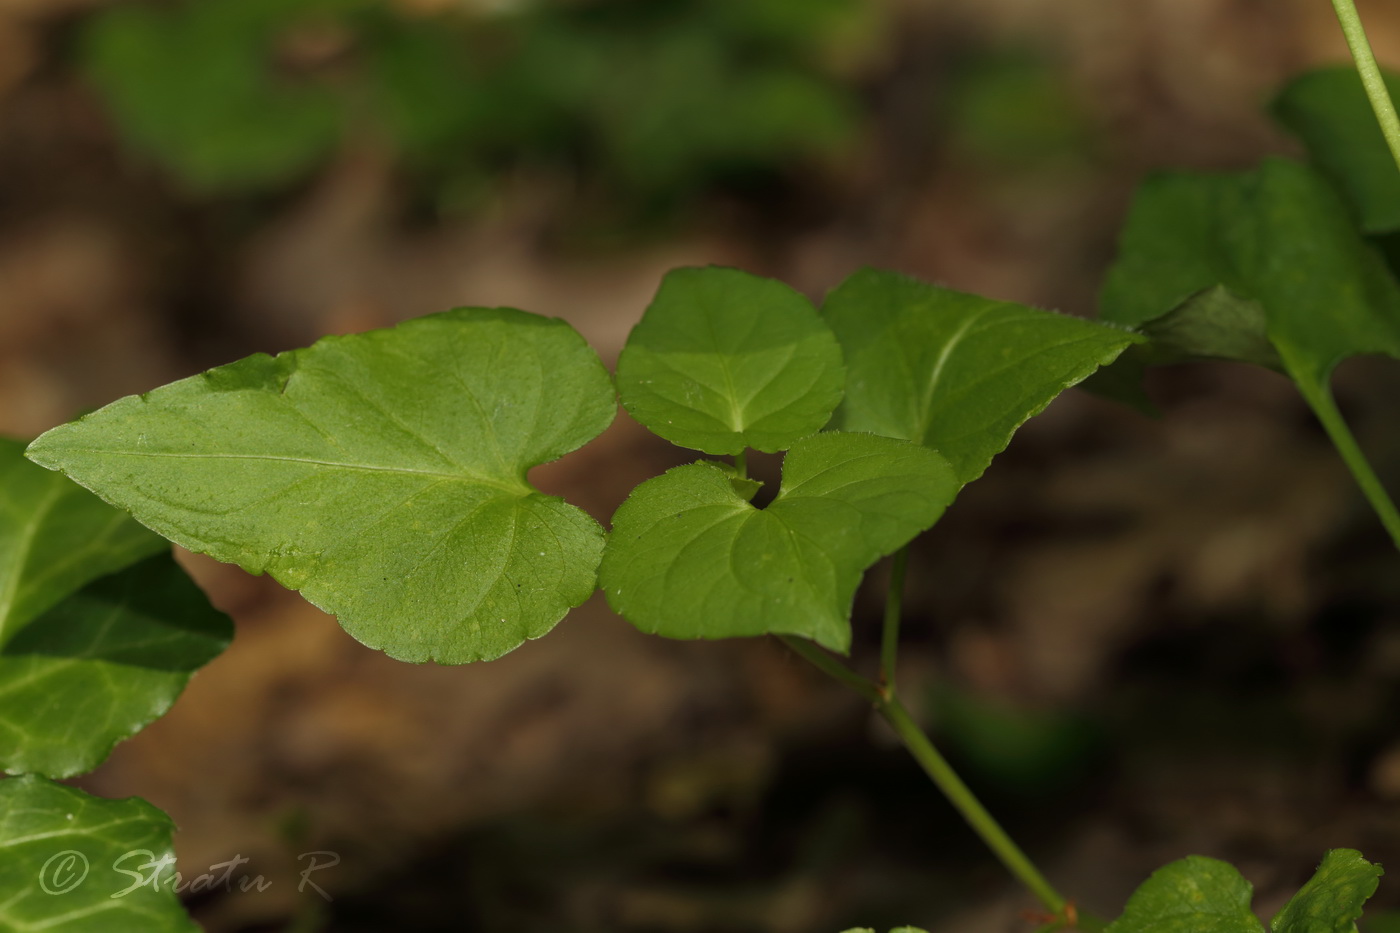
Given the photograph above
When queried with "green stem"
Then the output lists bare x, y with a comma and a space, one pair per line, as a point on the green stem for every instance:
832, 667
741, 463
1320, 398
1370, 74
894, 605
944, 777
958, 794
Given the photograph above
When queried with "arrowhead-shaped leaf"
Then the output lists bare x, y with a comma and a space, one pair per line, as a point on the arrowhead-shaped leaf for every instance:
1332, 900
723, 360
1191, 895
1329, 111
102, 665
1278, 236
382, 475
66, 858
689, 557
955, 372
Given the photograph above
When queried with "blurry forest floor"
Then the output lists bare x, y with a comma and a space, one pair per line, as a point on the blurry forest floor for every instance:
1139, 638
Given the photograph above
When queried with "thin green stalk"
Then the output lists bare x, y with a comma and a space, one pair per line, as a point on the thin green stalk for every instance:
1320, 398
1370, 74
958, 794
894, 606
741, 463
945, 778
832, 667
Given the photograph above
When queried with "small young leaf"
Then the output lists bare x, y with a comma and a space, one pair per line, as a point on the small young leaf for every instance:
382, 475
1329, 111
1333, 898
72, 863
689, 557
54, 538
955, 372
723, 360
102, 665
1279, 237
1191, 895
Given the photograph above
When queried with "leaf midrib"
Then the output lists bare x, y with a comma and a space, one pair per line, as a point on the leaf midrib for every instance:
936, 374
463, 475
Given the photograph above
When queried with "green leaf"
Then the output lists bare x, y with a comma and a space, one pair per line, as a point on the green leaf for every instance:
1278, 236
102, 665
193, 85
723, 360
956, 372
54, 538
1329, 111
1191, 895
1214, 324
79, 672
689, 557
1333, 898
71, 863
382, 475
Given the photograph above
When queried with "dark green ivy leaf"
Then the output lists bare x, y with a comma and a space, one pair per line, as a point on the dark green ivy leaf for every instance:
90, 653
73, 863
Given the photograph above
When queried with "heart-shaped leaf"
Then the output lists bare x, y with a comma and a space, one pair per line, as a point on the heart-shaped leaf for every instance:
1278, 236
72, 863
382, 475
723, 360
102, 665
1191, 895
689, 557
955, 372
1333, 898
1329, 111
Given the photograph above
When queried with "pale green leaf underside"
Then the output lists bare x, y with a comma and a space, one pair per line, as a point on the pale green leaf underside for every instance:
1333, 899
955, 372
689, 557
58, 848
102, 665
382, 475
1191, 895
55, 537
1213, 324
723, 360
